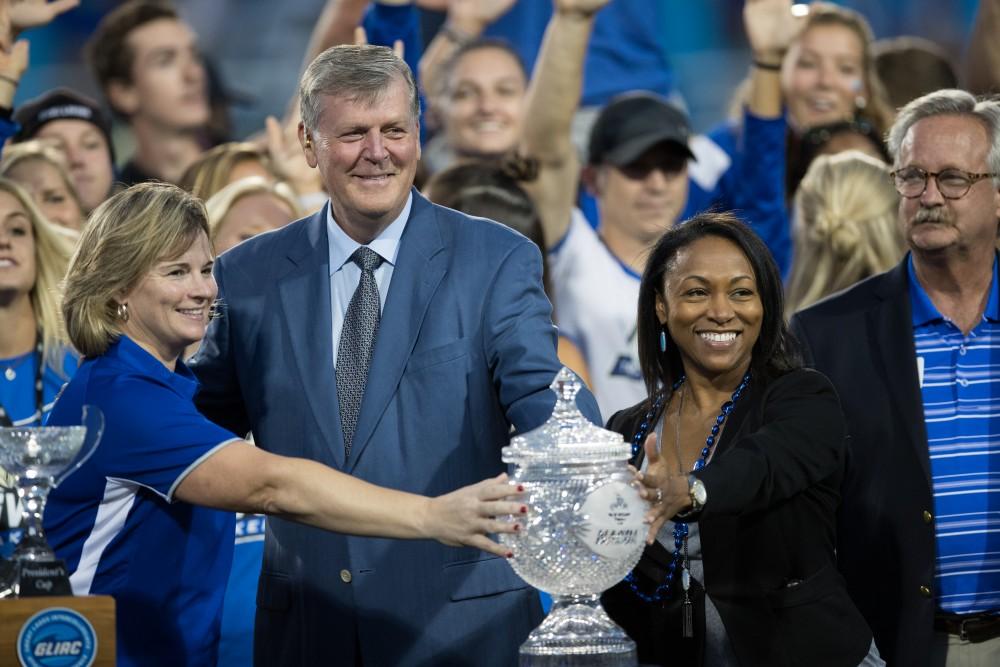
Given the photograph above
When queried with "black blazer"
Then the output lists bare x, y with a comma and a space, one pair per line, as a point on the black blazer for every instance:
768, 536
862, 339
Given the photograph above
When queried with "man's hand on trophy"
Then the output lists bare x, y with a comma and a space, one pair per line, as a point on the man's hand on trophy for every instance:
666, 492
465, 517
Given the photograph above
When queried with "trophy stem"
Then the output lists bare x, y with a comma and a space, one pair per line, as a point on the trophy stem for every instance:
577, 632
33, 545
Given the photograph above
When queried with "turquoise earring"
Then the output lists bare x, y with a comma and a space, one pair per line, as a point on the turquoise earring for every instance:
663, 340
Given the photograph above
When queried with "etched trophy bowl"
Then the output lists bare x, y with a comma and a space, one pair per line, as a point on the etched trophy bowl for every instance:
583, 534
39, 458
40, 452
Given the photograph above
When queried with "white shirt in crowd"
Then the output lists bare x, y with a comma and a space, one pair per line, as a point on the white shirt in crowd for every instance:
595, 296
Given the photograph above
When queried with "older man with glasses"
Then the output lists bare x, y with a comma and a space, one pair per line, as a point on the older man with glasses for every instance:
915, 356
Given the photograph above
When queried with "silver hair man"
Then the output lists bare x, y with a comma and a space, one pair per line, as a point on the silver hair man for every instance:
954, 102
360, 73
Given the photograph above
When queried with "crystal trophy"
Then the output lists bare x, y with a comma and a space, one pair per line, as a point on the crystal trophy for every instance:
584, 532
40, 458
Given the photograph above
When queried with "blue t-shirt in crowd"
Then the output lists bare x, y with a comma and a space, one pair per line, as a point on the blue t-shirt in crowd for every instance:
626, 50
115, 520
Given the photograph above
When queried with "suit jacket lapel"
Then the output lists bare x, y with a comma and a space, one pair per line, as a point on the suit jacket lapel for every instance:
420, 265
891, 327
305, 300
738, 416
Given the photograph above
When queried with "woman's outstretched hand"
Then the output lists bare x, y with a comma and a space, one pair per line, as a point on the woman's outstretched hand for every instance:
467, 516
666, 493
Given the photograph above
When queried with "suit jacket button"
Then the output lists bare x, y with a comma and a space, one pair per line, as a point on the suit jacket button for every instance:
345, 576
928, 517
925, 591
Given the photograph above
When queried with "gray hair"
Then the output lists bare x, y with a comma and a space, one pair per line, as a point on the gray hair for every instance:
361, 73
956, 103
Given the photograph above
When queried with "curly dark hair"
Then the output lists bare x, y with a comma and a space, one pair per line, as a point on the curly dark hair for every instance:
774, 353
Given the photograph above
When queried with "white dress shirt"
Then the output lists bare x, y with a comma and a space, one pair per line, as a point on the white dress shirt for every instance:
345, 274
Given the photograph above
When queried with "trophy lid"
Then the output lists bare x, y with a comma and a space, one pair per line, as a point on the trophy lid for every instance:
567, 436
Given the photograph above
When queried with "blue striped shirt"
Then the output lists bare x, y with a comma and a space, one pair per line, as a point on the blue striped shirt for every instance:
960, 385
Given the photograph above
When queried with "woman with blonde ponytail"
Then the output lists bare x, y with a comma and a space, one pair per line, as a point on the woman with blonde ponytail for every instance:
845, 227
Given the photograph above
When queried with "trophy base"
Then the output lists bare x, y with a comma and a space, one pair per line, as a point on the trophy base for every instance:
31, 578
577, 633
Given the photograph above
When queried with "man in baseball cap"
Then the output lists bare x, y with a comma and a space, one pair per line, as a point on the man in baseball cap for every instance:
633, 123
78, 126
637, 171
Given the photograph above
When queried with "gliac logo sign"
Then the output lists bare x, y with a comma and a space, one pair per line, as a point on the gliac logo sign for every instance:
57, 637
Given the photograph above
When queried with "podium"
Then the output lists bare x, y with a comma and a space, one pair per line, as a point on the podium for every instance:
37, 631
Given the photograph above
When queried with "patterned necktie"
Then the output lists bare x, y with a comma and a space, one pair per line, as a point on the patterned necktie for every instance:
357, 339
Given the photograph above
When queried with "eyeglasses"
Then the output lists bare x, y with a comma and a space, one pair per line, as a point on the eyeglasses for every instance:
911, 182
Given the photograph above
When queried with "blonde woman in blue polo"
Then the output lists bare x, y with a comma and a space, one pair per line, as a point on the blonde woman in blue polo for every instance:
134, 522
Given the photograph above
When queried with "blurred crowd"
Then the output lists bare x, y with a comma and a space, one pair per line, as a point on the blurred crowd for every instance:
589, 152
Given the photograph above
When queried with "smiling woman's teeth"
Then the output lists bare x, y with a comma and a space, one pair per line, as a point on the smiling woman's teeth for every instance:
719, 337
490, 126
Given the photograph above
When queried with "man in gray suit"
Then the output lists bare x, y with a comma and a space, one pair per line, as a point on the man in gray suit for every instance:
397, 341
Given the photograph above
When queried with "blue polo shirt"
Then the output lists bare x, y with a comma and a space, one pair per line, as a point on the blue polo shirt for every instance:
960, 385
115, 520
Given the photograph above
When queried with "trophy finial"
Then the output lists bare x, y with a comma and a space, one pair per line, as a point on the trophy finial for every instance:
567, 436
566, 386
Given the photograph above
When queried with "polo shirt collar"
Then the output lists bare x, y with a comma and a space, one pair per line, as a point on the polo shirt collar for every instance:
128, 352
385, 244
923, 309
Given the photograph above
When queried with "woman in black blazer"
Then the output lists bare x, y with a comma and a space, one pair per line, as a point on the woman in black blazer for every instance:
749, 448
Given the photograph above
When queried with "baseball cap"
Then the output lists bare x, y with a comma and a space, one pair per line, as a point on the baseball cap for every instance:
632, 123
59, 104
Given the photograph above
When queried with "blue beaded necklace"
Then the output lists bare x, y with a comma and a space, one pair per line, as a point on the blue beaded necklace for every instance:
661, 592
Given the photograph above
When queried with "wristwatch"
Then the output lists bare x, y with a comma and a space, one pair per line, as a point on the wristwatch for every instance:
698, 493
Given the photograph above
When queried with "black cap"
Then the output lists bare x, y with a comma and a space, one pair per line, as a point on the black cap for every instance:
59, 104
632, 123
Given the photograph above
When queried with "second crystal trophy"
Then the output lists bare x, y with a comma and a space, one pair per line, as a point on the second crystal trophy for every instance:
40, 458
584, 534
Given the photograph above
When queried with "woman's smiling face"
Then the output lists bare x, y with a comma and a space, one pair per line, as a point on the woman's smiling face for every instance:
485, 103
169, 308
17, 247
711, 307
823, 75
